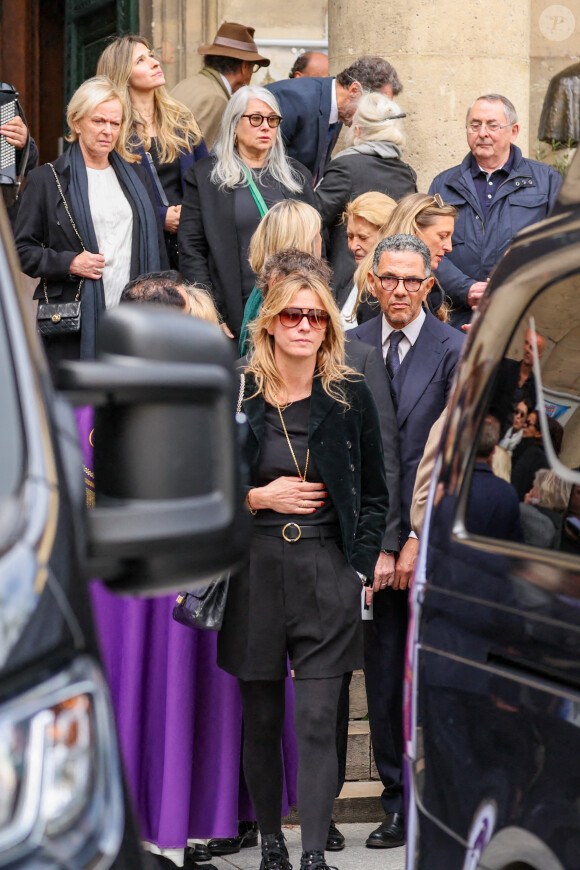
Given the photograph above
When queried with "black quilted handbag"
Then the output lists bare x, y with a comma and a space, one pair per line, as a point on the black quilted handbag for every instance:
58, 318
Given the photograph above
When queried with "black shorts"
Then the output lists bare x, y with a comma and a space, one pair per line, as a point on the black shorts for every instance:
299, 598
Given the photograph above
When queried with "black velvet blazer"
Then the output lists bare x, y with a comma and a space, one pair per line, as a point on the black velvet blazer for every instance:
347, 448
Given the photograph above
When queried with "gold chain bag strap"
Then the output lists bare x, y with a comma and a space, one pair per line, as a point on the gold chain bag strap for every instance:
55, 319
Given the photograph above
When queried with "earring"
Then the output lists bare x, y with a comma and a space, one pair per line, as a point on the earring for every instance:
235, 140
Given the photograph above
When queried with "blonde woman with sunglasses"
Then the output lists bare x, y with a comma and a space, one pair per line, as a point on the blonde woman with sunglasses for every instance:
319, 500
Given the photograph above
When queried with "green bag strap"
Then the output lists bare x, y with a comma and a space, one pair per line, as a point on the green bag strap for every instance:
258, 198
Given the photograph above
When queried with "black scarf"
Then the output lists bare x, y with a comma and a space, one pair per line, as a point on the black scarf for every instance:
93, 294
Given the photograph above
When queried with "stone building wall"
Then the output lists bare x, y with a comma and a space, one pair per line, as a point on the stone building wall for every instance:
447, 53
554, 45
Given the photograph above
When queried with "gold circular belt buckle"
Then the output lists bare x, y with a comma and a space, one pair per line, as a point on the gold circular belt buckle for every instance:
292, 526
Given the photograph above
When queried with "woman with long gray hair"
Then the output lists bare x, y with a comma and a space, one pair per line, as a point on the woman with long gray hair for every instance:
228, 193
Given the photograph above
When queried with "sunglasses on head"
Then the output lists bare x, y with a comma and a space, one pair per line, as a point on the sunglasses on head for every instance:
291, 317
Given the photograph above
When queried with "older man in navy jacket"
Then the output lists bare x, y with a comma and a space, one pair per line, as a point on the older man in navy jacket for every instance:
420, 354
314, 109
497, 192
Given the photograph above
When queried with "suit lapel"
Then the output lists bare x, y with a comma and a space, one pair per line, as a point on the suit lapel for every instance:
413, 379
255, 411
323, 117
370, 332
321, 405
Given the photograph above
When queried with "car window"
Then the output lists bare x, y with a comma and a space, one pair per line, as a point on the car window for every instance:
11, 434
530, 436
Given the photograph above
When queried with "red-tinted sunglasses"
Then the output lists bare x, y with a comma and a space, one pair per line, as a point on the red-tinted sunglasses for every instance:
291, 317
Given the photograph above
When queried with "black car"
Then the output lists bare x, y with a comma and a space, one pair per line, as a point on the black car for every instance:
492, 711
62, 796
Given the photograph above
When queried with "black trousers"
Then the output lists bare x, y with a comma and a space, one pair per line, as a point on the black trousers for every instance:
384, 655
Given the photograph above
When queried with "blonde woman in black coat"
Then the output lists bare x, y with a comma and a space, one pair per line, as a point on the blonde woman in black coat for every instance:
319, 499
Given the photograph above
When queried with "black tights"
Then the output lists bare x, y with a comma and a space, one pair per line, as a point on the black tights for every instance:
315, 722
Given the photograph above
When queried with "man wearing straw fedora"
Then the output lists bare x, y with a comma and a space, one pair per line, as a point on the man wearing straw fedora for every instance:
228, 65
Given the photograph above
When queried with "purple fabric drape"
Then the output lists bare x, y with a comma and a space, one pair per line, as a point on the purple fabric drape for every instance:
179, 716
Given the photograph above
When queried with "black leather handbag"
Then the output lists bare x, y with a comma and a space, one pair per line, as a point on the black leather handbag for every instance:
60, 318
203, 608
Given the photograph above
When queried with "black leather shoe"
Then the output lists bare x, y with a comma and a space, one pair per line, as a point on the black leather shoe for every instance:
198, 853
314, 861
390, 833
335, 840
274, 853
247, 836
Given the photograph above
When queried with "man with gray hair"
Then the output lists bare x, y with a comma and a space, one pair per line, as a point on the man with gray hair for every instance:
498, 192
420, 354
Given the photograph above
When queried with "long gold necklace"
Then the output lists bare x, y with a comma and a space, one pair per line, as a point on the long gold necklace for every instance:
300, 475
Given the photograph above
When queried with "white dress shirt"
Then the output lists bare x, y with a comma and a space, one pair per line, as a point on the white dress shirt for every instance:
410, 332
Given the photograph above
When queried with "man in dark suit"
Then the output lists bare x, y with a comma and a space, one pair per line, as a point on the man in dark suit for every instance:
314, 109
420, 354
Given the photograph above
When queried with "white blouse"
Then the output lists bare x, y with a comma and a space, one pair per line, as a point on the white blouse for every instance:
113, 222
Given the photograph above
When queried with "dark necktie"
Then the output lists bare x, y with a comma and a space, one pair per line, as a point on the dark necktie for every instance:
325, 153
393, 362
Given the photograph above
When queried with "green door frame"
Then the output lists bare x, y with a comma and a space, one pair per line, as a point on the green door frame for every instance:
89, 25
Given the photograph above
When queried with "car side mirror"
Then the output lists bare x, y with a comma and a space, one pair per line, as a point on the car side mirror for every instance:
169, 506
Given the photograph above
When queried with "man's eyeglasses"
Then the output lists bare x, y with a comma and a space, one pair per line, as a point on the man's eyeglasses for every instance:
391, 282
257, 120
291, 317
519, 413
256, 67
492, 127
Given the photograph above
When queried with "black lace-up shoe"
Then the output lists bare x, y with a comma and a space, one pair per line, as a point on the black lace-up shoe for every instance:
314, 861
274, 853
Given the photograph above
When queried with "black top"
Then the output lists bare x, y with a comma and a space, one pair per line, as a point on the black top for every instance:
169, 175
276, 461
247, 218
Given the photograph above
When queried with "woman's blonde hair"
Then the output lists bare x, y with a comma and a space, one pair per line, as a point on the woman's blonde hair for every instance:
288, 224
330, 366
417, 212
177, 129
229, 169
201, 304
372, 121
413, 214
85, 100
374, 207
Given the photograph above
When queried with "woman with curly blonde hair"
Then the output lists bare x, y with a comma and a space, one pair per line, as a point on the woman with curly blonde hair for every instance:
319, 501
161, 132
